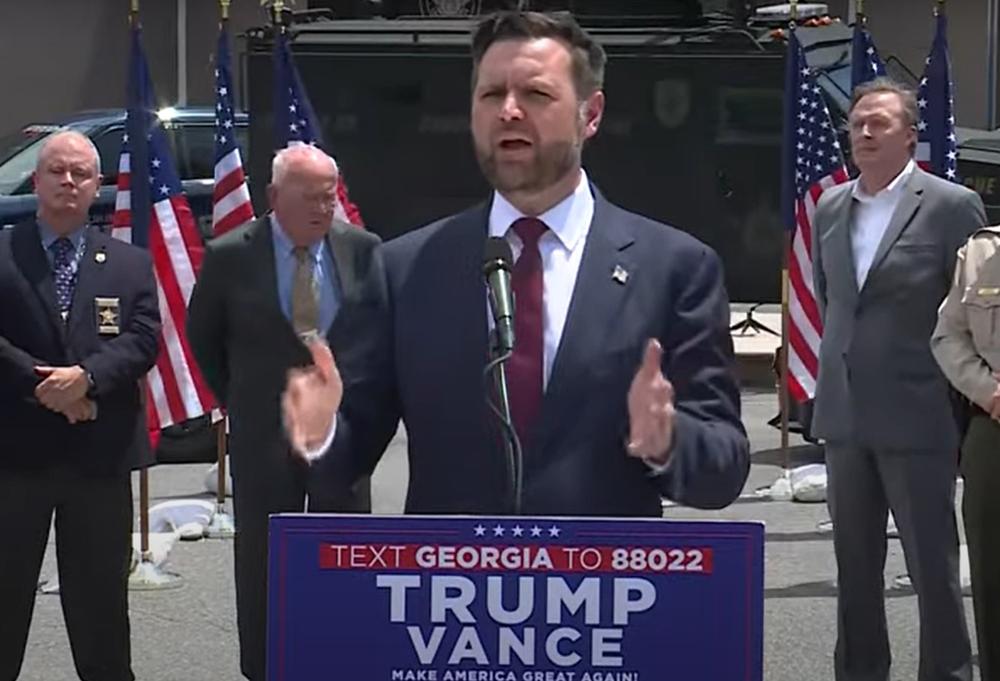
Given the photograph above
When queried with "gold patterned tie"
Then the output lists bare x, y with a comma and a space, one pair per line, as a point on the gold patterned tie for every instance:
305, 306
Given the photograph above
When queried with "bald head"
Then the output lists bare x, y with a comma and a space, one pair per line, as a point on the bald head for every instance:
67, 179
64, 139
303, 192
300, 157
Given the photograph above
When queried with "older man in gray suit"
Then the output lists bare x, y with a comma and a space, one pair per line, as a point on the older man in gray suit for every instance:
884, 252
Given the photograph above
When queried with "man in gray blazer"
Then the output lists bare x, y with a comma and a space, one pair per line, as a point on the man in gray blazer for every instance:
262, 286
884, 252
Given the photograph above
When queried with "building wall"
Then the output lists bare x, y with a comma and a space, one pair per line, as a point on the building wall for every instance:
61, 56
904, 29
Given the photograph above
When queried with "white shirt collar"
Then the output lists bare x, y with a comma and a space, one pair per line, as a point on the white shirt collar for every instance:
897, 183
569, 219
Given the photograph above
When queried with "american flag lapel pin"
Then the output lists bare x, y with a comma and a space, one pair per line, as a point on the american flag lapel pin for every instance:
620, 275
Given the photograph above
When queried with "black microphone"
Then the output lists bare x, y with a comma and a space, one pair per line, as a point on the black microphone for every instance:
497, 260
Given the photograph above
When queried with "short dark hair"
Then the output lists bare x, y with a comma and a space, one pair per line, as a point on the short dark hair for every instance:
587, 55
907, 96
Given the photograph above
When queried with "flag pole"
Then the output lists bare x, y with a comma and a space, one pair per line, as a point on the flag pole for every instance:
278, 6
221, 526
783, 365
145, 555
145, 575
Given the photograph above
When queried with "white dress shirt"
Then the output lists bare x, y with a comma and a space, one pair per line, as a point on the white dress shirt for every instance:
872, 214
562, 250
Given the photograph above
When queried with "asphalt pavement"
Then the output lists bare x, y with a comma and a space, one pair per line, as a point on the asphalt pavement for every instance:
188, 633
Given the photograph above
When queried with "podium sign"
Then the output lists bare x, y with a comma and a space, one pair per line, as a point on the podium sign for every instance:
458, 598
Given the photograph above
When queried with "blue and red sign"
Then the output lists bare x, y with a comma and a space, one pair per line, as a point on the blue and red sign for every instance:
416, 598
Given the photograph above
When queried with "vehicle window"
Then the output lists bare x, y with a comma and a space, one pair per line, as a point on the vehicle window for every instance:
109, 147
195, 151
20, 164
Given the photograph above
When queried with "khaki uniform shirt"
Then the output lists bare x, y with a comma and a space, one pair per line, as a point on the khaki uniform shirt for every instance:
966, 341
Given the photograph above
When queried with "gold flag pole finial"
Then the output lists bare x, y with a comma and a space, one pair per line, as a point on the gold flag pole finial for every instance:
794, 10
278, 6
938, 7
224, 6
861, 11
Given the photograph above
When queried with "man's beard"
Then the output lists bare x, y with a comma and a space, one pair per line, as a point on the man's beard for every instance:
549, 164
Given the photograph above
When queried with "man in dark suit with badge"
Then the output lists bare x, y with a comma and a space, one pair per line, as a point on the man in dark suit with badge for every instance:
292, 273
79, 322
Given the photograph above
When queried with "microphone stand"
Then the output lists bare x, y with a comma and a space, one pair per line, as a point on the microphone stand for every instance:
495, 374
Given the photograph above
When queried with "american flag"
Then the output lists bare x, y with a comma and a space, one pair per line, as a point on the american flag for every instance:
866, 64
158, 217
937, 145
231, 205
812, 163
295, 121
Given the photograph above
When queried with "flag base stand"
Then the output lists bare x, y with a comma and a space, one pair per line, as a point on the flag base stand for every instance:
147, 576
780, 490
221, 525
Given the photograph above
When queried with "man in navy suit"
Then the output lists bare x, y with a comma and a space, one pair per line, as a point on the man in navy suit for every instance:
621, 381
78, 330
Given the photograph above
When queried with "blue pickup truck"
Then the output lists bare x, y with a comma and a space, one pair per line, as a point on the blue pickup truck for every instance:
191, 134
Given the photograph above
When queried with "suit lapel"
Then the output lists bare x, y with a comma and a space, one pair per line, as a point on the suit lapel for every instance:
266, 274
606, 278
841, 237
27, 247
343, 260
88, 276
345, 269
909, 202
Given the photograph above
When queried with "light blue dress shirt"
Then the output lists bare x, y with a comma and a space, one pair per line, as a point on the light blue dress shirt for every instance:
324, 275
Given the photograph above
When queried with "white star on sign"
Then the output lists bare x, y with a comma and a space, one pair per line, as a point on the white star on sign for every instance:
536, 531
479, 530
498, 531
553, 531
517, 531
